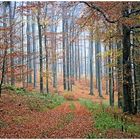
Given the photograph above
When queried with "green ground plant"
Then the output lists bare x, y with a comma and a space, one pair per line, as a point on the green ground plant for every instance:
105, 120
72, 106
38, 101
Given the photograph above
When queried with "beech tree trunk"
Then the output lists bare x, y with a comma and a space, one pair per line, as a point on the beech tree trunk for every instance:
5, 50
29, 67
127, 79
34, 53
98, 66
91, 62
64, 46
11, 17
40, 51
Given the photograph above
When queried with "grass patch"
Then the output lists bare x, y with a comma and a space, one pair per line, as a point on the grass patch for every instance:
133, 128
38, 101
43, 102
104, 119
89, 104
72, 106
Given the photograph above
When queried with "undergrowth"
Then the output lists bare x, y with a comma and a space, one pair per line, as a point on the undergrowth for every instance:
38, 101
105, 120
17, 90
72, 106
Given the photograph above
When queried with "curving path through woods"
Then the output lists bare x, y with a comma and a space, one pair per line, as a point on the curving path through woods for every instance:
69, 120
78, 122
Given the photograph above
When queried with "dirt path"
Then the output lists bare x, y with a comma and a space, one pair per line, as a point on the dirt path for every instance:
69, 120
78, 123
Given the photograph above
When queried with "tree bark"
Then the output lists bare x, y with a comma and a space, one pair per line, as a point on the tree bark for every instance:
40, 51
127, 79
64, 46
91, 62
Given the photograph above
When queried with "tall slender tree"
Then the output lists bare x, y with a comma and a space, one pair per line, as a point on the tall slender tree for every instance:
11, 17
28, 31
91, 62
34, 51
5, 5
40, 47
64, 44
98, 62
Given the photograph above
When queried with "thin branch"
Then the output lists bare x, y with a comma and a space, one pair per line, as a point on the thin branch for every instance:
135, 27
100, 11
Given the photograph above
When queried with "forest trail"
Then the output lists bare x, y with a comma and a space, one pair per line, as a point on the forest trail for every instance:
76, 119
69, 120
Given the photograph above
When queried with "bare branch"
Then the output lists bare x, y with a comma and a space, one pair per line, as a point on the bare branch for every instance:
100, 11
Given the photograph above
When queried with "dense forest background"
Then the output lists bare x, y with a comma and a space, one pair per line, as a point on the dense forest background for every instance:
69, 69
45, 42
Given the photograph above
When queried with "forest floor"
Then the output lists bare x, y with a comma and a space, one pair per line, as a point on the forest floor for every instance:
27, 116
